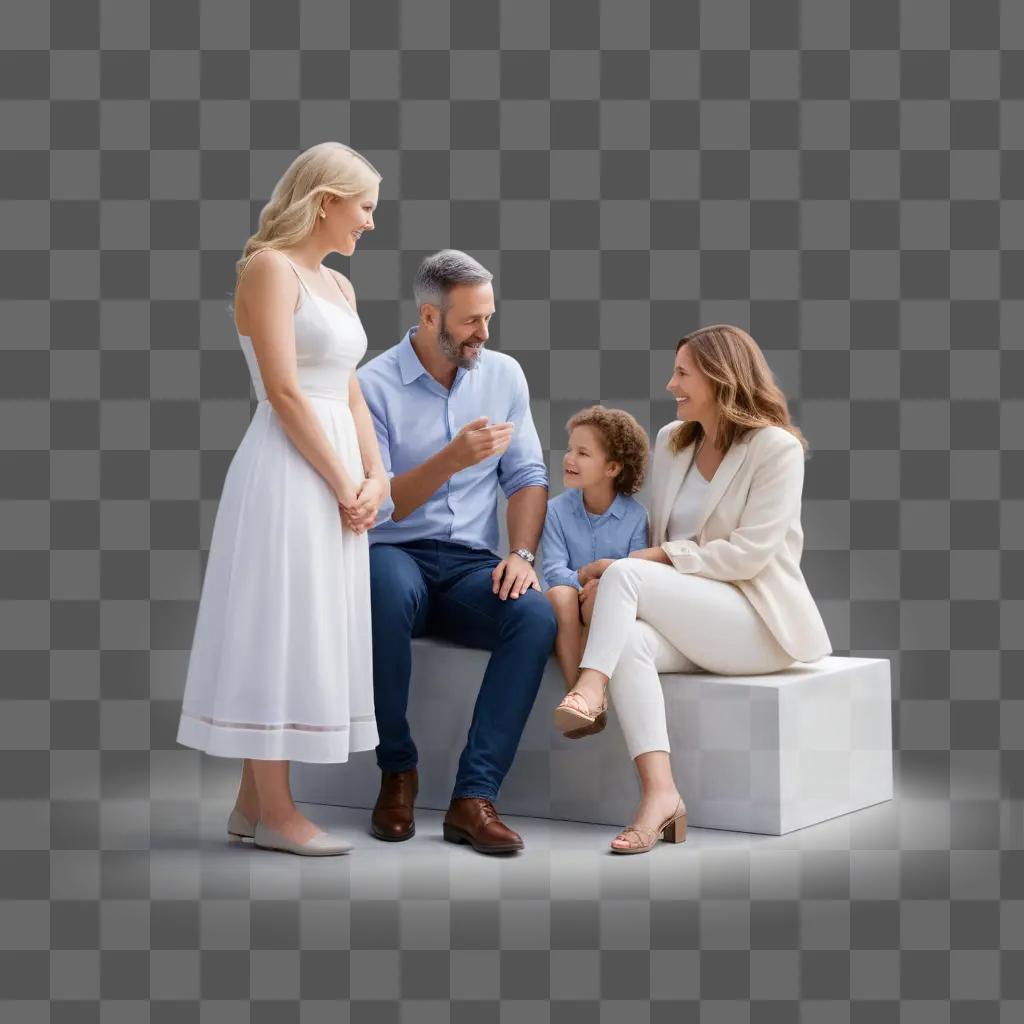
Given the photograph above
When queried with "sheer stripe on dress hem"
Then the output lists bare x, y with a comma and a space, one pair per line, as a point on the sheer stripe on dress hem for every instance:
295, 726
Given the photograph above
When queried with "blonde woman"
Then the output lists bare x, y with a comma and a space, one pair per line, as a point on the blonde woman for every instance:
281, 665
721, 590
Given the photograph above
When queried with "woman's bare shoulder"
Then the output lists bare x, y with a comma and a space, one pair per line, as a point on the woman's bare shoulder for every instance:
267, 272
263, 266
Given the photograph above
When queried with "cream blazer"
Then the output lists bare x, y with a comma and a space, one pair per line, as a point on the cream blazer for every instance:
749, 533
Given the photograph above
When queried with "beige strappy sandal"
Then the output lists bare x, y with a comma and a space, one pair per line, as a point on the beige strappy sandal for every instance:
574, 715
672, 829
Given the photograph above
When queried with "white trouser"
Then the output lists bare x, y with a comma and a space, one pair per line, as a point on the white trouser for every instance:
650, 618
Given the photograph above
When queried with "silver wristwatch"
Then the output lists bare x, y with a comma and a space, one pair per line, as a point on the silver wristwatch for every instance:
523, 553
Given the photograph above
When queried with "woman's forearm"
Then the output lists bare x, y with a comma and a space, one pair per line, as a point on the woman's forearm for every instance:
303, 428
369, 449
651, 555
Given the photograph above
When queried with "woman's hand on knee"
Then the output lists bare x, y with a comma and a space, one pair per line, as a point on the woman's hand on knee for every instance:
594, 570
588, 595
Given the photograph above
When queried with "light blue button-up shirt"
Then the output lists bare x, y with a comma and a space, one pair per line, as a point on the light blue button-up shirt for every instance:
415, 417
572, 537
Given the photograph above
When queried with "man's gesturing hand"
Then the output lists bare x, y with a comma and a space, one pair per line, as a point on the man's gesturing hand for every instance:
476, 441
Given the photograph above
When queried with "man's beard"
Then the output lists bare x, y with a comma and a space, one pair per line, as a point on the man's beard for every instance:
453, 351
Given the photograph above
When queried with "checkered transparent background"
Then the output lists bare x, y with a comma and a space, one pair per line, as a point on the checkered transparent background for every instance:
844, 179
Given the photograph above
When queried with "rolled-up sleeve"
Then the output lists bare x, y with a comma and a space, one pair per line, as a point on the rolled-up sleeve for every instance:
554, 555
772, 504
522, 464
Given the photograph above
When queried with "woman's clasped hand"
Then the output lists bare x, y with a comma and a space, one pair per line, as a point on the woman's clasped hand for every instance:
361, 513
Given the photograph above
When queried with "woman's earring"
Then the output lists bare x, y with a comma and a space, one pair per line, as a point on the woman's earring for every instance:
322, 214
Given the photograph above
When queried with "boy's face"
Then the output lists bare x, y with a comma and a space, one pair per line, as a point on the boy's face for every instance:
585, 462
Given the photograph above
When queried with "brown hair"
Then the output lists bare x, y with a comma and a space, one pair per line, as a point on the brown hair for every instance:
623, 439
743, 384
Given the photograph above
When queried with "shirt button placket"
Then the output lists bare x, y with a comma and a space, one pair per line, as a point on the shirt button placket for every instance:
450, 427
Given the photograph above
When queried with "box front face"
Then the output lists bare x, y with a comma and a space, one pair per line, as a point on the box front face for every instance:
757, 758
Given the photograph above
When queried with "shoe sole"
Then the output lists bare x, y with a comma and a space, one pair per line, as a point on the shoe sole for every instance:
393, 839
457, 835
568, 721
577, 733
235, 839
303, 853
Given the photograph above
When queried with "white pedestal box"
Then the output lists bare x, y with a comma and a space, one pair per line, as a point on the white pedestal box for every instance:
764, 754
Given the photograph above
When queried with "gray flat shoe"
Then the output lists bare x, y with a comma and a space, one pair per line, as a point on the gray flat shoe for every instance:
240, 827
322, 845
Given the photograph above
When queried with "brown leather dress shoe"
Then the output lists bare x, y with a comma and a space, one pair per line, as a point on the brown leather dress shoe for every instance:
473, 820
392, 818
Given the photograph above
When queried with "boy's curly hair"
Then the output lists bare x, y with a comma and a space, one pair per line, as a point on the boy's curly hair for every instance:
624, 440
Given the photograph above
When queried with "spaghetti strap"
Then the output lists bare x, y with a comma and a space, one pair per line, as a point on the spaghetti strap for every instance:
290, 263
344, 297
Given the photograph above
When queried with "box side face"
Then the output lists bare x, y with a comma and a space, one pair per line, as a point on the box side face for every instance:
837, 746
725, 742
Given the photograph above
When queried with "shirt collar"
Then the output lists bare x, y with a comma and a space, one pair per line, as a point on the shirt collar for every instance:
408, 362
411, 368
617, 508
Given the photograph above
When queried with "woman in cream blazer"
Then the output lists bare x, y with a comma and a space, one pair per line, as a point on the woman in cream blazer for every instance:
721, 589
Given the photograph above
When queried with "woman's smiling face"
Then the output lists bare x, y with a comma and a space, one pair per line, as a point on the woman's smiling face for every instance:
349, 217
693, 392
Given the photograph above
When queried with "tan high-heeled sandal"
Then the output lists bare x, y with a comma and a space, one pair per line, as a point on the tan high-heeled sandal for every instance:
575, 717
673, 829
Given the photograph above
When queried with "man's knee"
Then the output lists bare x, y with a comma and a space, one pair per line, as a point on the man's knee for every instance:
396, 586
532, 617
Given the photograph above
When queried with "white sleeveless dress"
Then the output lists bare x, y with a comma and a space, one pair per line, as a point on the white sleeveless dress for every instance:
281, 663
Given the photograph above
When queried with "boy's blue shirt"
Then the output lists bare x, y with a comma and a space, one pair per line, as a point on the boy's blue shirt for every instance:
570, 540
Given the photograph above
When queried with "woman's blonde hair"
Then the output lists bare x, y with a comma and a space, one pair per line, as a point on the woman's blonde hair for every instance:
290, 215
743, 385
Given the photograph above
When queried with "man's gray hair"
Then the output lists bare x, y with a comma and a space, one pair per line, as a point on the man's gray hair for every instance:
439, 273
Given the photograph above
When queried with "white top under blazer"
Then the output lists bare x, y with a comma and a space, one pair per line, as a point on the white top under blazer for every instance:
686, 511
749, 531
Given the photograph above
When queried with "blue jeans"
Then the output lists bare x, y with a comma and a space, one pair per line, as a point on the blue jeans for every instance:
430, 587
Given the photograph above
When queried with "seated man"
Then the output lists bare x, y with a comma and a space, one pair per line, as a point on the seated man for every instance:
454, 423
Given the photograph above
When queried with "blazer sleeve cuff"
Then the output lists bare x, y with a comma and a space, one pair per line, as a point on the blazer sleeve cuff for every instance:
682, 555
